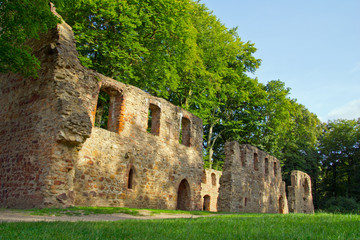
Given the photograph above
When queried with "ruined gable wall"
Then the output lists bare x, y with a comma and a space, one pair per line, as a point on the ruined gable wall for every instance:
300, 194
249, 185
210, 184
43, 124
159, 162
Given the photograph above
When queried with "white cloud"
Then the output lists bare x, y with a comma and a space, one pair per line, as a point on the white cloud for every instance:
351, 110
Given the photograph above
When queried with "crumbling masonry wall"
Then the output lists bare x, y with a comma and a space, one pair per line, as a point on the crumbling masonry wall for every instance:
43, 123
51, 154
157, 160
251, 181
300, 194
210, 184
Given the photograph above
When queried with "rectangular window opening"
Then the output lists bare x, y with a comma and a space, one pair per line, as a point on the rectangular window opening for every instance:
275, 169
102, 110
154, 119
243, 159
266, 166
184, 136
256, 162
108, 112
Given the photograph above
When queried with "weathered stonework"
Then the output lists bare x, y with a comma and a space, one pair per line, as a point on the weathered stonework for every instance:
158, 161
300, 195
210, 184
251, 181
51, 155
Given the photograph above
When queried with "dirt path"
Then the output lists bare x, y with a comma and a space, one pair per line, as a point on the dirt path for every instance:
14, 216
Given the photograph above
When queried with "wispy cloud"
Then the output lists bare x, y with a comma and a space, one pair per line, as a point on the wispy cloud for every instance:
351, 110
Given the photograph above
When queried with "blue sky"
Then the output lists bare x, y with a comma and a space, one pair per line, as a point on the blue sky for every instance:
312, 46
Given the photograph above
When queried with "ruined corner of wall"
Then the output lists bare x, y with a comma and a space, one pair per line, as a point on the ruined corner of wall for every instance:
300, 193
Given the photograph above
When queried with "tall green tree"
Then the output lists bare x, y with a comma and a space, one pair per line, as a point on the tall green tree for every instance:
149, 44
21, 20
223, 84
173, 49
340, 160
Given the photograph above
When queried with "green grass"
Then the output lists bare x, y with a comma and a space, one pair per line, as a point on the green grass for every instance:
159, 211
77, 211
242, 226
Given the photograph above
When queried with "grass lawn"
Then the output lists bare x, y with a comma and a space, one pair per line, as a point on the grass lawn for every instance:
242, 226
78, 210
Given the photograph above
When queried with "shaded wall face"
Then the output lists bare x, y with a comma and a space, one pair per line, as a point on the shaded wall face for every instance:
151, 147
210, 184
300, 194
251, 181
23, 159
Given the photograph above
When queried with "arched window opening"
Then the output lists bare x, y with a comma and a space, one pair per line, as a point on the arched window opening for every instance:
266, 166
183, 198
184, 136
213, 179
131, 179
256, 162
203, 178
206, 204
154, 119
245, 201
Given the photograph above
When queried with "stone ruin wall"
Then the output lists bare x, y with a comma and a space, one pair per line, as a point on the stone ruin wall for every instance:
251, 181
52, 156
300, 194
210, 184
157, 160
42, 124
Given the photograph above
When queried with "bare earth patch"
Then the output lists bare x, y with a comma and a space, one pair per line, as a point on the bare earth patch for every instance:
17, 216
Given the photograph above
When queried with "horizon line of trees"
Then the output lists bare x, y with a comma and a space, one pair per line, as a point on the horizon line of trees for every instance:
180, 51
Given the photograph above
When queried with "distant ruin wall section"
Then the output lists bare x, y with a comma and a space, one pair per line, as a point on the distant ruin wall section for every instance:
300, 194
210, 184
251, 181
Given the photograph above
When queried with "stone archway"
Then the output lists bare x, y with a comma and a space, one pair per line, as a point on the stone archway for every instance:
206, 203
183, 198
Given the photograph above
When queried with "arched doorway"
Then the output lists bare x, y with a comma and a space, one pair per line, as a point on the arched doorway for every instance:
206, 204
183, 198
